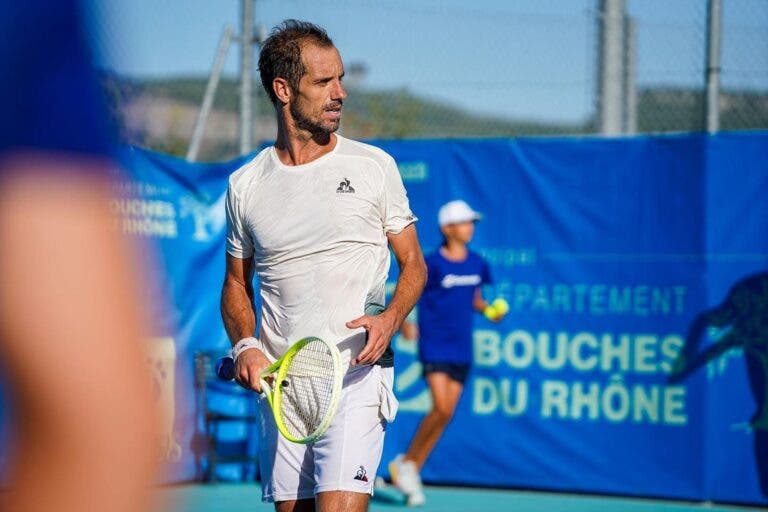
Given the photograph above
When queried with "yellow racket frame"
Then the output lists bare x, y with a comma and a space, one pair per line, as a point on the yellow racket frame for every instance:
274, 392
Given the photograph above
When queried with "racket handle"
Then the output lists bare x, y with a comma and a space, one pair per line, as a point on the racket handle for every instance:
225, 368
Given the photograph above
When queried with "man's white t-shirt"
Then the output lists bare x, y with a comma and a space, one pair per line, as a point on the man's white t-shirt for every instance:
317, 235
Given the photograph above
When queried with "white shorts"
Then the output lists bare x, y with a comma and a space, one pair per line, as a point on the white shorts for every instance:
346, 457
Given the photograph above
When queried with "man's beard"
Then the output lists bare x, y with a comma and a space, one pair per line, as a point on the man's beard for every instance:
303, 122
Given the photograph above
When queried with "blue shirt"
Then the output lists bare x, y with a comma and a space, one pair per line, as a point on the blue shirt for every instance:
50, 98
446, 311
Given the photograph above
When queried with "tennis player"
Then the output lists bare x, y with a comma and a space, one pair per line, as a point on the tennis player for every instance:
445, 315
312, 217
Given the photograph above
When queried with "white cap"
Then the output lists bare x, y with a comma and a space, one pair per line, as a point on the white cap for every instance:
456, 211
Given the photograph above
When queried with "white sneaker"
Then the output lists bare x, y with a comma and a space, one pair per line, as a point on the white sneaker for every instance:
379, 484
406, 478
416, 499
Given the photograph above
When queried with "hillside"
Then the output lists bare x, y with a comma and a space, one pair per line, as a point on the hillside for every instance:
160, 114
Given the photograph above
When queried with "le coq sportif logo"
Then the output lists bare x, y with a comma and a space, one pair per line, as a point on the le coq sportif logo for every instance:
345, 187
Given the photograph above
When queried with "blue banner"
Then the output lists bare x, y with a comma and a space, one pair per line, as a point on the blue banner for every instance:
596, 245
736, 318
614, 256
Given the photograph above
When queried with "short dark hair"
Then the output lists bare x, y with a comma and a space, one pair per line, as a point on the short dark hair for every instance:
281, 53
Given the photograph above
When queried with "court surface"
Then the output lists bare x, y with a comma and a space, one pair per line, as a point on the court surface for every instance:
247, 498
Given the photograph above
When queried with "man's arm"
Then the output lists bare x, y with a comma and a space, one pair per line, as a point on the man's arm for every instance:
237, 299
240, 319
413, 277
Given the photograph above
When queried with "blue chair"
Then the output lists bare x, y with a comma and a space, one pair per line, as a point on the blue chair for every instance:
228, 423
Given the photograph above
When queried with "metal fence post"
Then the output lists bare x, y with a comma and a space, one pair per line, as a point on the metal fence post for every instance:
714, 13
210, 92
246, 75
610, 69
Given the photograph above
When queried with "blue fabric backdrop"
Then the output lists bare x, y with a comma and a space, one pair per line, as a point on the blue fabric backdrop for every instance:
609, 253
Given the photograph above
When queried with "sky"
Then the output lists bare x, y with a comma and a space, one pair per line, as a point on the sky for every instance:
516, 59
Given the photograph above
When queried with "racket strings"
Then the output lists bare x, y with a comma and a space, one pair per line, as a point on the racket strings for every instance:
307, 397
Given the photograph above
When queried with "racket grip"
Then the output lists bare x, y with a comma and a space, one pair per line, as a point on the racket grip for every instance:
225, 368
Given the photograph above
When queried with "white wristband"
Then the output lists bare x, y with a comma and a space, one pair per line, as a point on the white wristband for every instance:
243, 345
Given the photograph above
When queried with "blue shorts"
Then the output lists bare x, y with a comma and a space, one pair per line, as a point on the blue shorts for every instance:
456, 371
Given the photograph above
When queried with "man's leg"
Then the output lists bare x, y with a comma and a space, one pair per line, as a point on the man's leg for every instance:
347, 457
333, 501
286, 468
295, 506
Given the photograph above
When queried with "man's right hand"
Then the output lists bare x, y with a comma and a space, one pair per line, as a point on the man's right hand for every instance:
248, 367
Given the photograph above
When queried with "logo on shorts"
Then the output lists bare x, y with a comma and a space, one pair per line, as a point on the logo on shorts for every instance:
360, 475
345, 187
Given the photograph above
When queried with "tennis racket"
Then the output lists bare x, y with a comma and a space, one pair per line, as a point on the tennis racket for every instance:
305, 389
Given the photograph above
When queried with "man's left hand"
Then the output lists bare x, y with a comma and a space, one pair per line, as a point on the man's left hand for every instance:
379, 329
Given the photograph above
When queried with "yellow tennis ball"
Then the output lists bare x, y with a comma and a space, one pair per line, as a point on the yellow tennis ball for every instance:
501, 306
490, 312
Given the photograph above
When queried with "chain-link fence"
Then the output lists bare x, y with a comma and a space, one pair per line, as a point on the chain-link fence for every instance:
669, 58
744, 102
486, 69
671, 64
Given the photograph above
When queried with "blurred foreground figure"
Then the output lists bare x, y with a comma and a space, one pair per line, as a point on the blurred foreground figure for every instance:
70, 352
